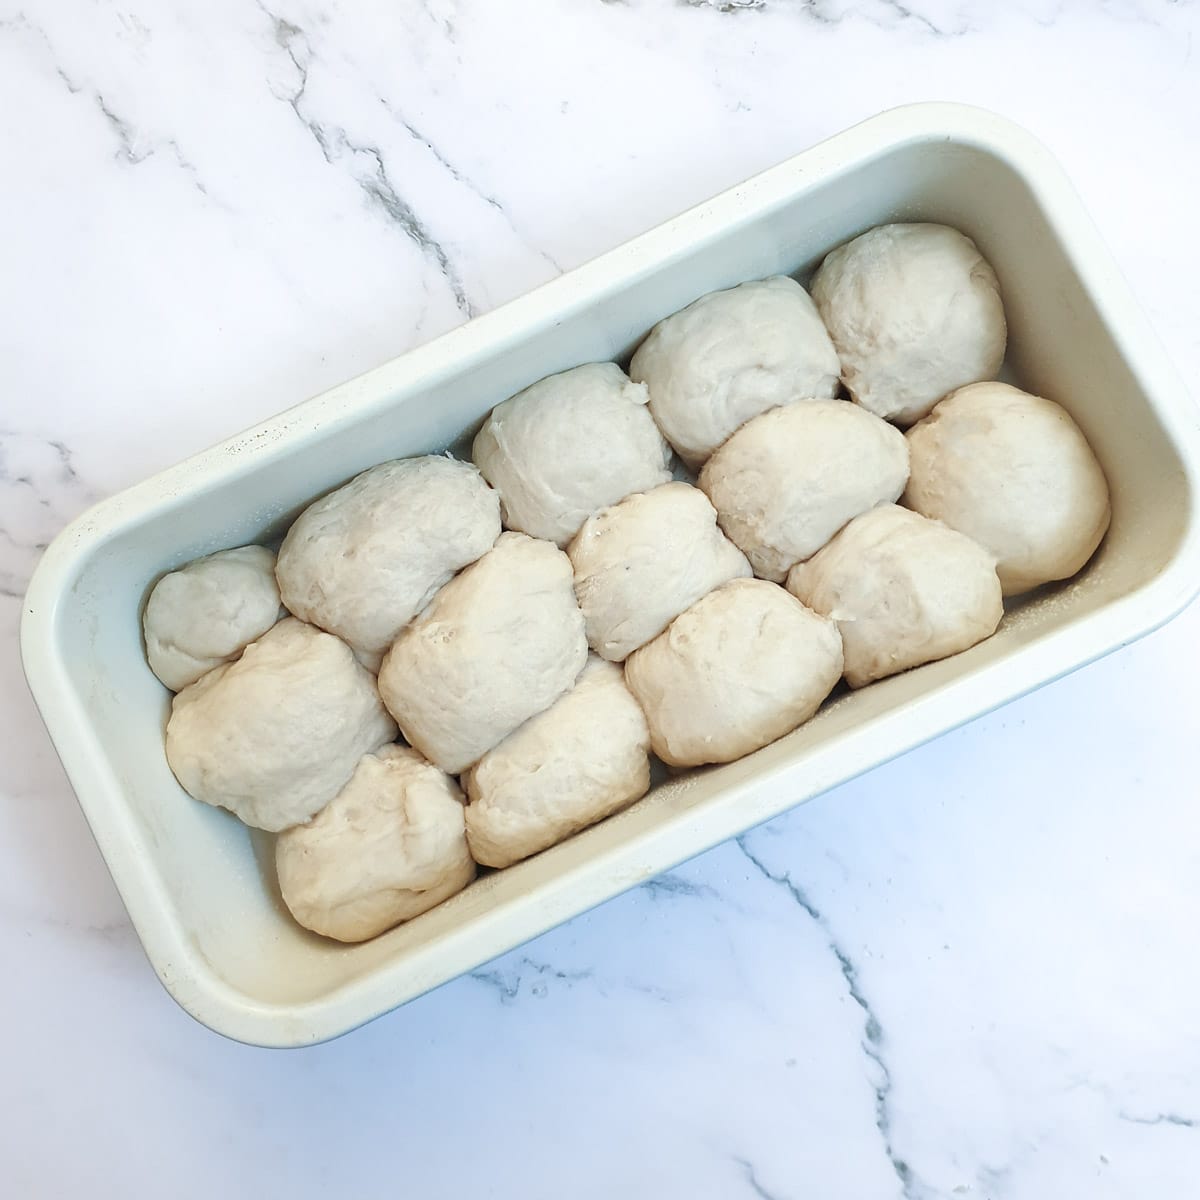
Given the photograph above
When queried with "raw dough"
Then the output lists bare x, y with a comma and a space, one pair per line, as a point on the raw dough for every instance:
788, 480
904, 591
567, 446
639, 564
730, 356
206, 613
274, 736
740, 668
499, 643
915, 312
584, 758
1014, 472
390, 845
364, 560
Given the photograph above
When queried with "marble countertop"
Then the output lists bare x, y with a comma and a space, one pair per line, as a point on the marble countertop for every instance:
971, 973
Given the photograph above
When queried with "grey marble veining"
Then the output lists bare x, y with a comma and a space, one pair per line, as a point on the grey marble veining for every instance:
969, 974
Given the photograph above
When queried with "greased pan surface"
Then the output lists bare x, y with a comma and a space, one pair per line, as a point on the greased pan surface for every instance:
199, 887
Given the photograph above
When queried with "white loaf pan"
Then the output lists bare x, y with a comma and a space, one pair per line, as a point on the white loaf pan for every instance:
199, 887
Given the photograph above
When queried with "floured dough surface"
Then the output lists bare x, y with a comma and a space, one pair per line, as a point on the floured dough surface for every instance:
207, 612
498, 644
788, 480
364, 560
564, 448
390, 845
1014, 472
639, 564
915, 312
274, 736
584, 758
728, 357
740, 668
904, 590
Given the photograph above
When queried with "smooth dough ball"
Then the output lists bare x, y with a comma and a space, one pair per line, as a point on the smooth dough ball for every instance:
206, 613
567, 446
903, 590
730, 356
639, 564
274, 736
740, 668
787, 481
915, 312
498, 644
583, 759
389, 846
1014, 472
364, 560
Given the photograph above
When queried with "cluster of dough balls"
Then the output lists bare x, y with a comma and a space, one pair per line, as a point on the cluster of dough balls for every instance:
537, 623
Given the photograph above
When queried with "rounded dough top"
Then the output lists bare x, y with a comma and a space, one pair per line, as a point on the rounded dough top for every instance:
567, 446
1014, 472
788, 480
390, 845
740, 668
275, 735
639, 564
499, 643
581, 760
207, 612
903, 590
728, 357
364, 560
915, 312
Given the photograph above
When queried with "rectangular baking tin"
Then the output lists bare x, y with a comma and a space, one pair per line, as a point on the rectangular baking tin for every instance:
200, 888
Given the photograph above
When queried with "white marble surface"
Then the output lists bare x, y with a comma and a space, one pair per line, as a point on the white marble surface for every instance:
971, 973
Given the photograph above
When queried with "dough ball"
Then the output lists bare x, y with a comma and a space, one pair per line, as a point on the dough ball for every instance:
364, 560
788, 480
390, 845
740, 668
274, 736
639, 564
583, 759
567, 446
903, 590
1014, 472
730, 356
915, 312
498, 644
206, 613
